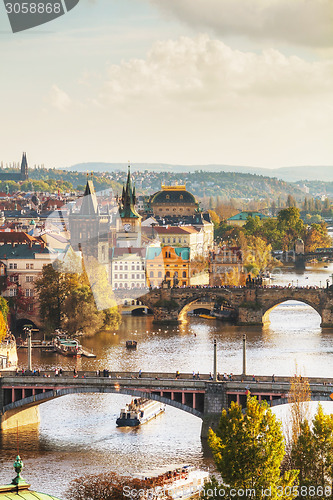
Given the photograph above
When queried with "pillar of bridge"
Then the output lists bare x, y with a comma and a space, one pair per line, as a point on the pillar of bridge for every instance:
215, 401
166, 315
19, 417
327, 317
250, 314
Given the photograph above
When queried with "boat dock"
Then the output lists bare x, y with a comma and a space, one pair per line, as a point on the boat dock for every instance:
49, 346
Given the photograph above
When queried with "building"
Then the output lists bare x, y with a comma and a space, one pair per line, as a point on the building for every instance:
240, 219
20, 266
129, 224
225, 266
128, 268
89, 227
168, 264
17, 176
174, 201
182, 236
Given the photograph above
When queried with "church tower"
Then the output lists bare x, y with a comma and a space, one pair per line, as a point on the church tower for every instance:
129, 231
24, 168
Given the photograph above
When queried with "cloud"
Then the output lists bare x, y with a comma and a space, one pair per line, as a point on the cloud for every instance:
59, 99
205, 73
304, 22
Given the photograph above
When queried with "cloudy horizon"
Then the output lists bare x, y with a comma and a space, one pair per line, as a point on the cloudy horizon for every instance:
233, 82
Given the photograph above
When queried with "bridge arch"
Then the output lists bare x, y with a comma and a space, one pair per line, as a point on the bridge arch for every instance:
203, 298
32, 401
268, 308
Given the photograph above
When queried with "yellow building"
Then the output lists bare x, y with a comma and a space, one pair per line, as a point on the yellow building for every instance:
168, 263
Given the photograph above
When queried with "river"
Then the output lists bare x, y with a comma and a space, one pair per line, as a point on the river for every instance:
78, 434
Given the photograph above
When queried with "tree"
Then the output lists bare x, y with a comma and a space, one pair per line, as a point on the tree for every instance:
248, 449
110, 486
53, 288
313, 454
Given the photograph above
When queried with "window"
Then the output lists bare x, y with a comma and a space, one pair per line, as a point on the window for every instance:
30, 307
13, 292
116, 276
120, 276
13, 279
138, 276
126, 267
14, 266
133, 267
184, 274
29, 292
116, 267
116, 285
29, 279
151, 274
168, 274
133, 276
138, 267
120, 268
27, 266
125, 277
159, 274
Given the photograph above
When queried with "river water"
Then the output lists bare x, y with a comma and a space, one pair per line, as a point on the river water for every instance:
78, 434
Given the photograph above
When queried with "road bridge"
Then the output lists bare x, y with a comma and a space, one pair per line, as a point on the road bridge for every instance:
20, 396
252, 305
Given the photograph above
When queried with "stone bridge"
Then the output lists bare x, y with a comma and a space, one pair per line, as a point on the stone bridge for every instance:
252, 305
20, 396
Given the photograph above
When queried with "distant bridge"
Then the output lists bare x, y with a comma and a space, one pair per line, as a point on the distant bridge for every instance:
252, 305
20, 396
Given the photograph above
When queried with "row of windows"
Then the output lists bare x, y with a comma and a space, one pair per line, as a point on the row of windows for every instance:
29, 292
168, 240
126, 285
167, 274
125, 267
120, 276
13, 265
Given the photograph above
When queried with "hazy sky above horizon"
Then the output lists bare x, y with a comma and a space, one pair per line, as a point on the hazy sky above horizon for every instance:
237, 82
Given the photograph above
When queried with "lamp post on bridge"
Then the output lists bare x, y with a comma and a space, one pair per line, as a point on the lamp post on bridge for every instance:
244, 354
215, 361
29, 330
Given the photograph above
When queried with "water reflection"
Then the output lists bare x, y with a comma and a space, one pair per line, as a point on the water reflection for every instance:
78, 433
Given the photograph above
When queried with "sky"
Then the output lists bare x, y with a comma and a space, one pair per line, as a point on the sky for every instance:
233, 82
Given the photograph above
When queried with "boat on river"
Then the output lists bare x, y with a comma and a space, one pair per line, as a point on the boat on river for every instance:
68, 347
138, 412
131, 344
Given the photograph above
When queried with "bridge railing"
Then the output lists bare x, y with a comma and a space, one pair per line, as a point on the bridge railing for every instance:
118, 375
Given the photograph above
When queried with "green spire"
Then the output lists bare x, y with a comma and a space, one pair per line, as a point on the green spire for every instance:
18, 466
128, 200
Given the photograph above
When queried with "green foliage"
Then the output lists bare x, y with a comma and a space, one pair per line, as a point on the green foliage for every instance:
248, 449
4, 309
67, 301
313, 453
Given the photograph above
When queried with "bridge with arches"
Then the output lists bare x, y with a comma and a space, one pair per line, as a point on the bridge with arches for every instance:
252, 305
20, 396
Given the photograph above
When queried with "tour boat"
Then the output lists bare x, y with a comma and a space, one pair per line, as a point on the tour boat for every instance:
180, 482
68, 347
131, 344
139, 411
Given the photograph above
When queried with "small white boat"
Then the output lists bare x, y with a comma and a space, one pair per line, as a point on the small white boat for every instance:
139, 411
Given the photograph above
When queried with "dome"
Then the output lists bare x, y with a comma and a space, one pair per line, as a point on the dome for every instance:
173, 195
19, 488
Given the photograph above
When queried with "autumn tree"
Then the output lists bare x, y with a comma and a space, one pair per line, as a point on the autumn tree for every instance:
248, 450
313, 455
110, 486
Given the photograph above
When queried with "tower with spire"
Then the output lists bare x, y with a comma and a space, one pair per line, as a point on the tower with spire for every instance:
89, 227
24, 167
129, 229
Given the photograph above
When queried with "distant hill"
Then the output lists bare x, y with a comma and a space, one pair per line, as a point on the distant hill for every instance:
289, 174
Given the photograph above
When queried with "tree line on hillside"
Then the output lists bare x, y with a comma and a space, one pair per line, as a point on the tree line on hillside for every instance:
280, 232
